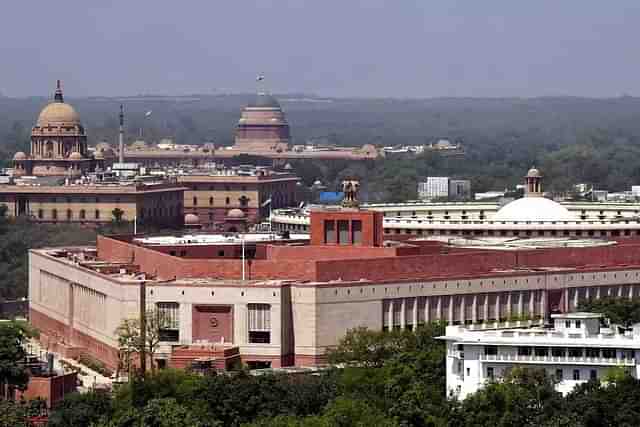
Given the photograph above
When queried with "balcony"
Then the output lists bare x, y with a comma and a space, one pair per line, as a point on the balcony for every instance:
571, 360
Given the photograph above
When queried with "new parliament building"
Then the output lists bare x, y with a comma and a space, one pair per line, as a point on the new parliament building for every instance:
270, 300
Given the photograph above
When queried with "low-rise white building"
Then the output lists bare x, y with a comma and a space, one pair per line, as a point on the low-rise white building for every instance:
576, 349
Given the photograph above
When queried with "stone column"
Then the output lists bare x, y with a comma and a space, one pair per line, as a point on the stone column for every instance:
439, 308
403, 310
415, 313
630, 291
463, 309
543, 304
576, 297
390, 325
498, 298
450, 313
427, 309
474, 309
532, 303
509, 302
486, 307
520, 303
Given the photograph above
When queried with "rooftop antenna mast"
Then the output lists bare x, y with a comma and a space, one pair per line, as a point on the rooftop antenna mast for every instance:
121, 136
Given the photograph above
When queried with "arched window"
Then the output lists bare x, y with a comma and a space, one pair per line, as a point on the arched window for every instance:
97, 214
69, 214
54, 214
195, 201
227, 201
40, 213
82, 214
211, 200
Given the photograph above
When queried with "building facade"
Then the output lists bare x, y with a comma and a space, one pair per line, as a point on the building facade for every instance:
158, 203
577, 349
435, 187
216, 197
282, 302
532, 216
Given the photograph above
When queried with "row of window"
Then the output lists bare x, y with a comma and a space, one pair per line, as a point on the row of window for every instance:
244, 201
559, 374
607, 353
259, 322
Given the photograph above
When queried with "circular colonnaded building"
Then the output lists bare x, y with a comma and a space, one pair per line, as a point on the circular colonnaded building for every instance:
532, 216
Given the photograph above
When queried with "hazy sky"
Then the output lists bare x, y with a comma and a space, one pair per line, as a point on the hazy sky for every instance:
415, 48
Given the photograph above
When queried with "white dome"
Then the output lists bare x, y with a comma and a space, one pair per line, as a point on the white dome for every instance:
533, 209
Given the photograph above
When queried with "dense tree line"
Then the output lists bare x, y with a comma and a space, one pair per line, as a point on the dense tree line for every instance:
388, 379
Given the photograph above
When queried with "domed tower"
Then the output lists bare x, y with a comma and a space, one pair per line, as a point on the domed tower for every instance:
262, 126
58, 141
533, 182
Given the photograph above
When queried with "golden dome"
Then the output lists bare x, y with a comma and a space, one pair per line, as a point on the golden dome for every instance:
58, 113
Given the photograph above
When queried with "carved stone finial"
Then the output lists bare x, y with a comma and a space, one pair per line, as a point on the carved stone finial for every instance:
350, 189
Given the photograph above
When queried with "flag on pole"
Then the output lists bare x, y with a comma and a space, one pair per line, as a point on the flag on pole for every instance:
148, 113
260, 78
266, 202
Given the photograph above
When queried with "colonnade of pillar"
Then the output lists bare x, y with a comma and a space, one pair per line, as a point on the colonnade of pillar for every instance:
407, 313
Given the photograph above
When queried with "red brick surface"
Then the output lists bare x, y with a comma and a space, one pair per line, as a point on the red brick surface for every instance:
51, 389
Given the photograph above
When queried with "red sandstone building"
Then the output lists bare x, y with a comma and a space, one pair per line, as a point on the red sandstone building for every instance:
231, 199
286, 302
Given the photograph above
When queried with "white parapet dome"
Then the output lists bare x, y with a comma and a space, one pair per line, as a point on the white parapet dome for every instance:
533, 209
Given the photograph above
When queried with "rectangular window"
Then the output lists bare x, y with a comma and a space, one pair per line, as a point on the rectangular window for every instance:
343, 232
593, 374
559, 373
558, 351
259, 323
578, 324
356, 232
593, 352
576, 374
468, 372
575, 352
524, 351
490, 350
541, 351
169, 321
490, 372
329, 231
567, 324
609, 353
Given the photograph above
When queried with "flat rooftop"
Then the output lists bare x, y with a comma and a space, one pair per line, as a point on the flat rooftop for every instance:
217, 239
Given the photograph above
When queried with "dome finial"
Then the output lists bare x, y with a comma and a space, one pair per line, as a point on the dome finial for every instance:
58, 96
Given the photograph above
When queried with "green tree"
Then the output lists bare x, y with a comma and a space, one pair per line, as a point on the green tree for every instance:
13, 374
81, 409
12, 414
620, 311
525, 397
117, 214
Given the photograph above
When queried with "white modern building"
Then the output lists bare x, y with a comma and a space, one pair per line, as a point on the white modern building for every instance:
578, 348
433, 188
